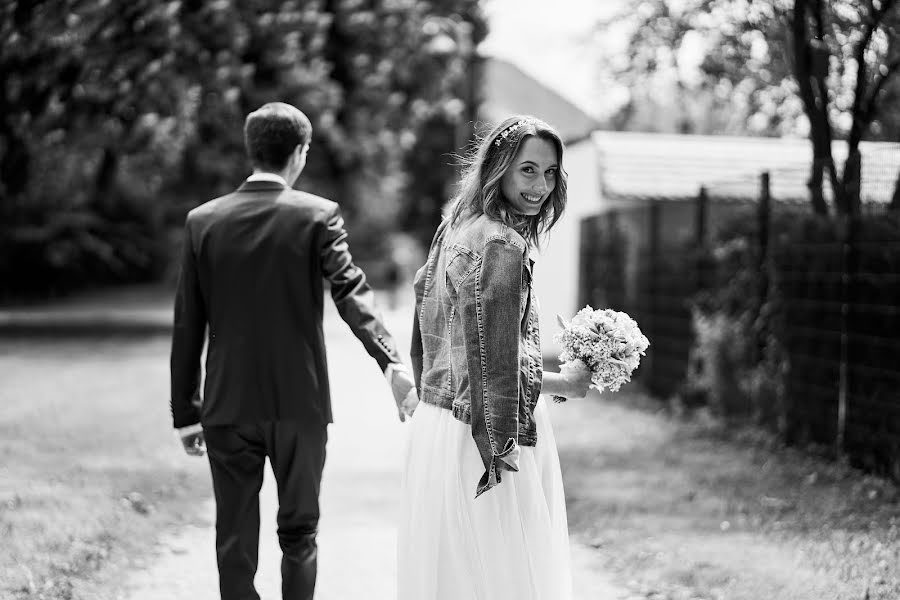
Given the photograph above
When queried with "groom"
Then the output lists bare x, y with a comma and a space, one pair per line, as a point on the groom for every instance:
251, 283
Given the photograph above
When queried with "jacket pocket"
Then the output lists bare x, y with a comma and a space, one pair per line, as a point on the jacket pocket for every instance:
460, 263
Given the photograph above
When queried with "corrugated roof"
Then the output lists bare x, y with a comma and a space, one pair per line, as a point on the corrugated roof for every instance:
507, 90
672, 165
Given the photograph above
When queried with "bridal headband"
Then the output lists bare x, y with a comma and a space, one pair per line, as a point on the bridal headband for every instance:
504, 135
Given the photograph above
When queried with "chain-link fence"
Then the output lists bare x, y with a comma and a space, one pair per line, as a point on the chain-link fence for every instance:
827, 289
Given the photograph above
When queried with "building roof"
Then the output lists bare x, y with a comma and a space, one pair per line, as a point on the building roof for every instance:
675, 166
507, 90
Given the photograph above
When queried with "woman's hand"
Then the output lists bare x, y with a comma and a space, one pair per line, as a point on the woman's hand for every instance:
570, 382
578, 380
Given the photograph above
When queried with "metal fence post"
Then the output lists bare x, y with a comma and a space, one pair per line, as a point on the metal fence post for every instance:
700, 218
765, 211
847, 225
586, 236
653, 244
764, 222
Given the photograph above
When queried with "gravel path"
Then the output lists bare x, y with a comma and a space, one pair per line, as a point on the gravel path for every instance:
357, 543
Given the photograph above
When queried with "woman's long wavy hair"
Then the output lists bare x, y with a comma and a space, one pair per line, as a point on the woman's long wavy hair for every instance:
479, 187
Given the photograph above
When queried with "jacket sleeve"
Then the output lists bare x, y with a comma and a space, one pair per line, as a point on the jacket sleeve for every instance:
420, 282
352, 294
490, 319
416, 350
188, 336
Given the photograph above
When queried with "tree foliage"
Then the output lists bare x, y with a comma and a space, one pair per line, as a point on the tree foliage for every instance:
125, 115
826, 69
90, 102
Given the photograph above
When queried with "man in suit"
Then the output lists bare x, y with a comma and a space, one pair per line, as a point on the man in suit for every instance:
251, 284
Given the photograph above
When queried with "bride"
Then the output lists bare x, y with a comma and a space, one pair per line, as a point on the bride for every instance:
483, 513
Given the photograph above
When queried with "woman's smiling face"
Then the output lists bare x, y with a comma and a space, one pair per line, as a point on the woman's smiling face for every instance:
531, 176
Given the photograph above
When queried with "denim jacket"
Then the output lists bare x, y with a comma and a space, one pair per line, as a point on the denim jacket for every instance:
476, 347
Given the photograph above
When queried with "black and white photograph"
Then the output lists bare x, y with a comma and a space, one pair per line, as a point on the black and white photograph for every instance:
450, 300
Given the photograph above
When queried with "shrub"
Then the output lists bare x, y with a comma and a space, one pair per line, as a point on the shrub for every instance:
737, 362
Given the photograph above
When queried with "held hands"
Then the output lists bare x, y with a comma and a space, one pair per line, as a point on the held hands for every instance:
194, 443
404, 390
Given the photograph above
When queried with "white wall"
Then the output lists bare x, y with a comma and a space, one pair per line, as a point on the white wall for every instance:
556, 266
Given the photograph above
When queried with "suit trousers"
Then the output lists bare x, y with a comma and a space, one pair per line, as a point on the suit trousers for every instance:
237, 456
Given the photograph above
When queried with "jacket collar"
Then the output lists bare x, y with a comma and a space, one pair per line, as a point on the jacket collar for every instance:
261, 186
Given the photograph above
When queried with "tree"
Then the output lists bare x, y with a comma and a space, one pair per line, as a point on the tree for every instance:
88, 119
136, 112
839, 58
88, 85
703, 66
444, 129
863, 39
360, 70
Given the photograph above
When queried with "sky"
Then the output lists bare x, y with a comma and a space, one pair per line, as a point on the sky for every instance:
555, 42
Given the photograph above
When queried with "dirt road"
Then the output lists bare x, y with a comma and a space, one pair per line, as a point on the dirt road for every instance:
357, 545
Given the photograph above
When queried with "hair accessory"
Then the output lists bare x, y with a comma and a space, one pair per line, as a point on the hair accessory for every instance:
504, 135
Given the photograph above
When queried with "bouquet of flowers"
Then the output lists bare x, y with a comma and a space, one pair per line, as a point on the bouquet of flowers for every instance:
607, 342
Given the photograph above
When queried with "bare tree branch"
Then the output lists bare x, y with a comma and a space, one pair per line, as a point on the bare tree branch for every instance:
894, 206
859, 93
890, 69
820, 22
802, 58
804, 67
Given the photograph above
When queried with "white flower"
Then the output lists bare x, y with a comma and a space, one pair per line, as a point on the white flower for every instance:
608, 342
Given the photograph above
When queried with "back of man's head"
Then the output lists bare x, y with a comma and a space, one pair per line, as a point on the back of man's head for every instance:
272, 132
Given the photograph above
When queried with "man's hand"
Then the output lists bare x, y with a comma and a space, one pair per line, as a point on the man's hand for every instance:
193, 442
404, 390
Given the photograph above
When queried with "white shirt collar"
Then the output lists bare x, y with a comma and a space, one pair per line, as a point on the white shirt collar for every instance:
268, 177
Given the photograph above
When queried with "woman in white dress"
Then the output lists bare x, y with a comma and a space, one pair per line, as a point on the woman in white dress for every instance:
483, 513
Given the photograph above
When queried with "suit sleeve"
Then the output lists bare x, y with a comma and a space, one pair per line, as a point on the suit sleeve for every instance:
352, 294
188, 335
490, 316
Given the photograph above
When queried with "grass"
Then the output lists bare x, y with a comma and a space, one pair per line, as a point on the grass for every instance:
90, 467
91, 473
690, 509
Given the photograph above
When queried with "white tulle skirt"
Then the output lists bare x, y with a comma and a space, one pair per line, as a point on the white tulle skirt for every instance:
511, 543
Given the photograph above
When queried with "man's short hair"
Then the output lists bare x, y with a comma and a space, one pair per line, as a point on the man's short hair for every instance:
271, 133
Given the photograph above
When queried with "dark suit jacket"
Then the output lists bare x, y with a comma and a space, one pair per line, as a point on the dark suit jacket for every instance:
253, 268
